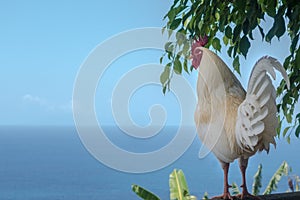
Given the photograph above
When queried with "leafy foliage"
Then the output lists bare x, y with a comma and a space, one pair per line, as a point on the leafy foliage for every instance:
235, 22
257, 181
179, 189
272, 186
143, 193
178, 186
205, 196
297, 183
235, 189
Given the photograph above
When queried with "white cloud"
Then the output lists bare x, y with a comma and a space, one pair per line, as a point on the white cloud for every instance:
36, 100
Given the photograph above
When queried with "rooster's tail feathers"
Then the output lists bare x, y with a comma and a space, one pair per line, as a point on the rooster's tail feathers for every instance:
256, 118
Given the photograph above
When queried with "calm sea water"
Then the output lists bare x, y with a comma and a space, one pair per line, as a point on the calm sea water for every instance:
51, 163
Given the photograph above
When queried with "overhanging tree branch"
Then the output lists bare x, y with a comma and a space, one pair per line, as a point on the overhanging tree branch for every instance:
236, 21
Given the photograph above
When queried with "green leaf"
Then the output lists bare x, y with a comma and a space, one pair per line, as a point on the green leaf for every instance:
236, 33
216, 44
186, 22
186, 48
178, 186
229, 51
244, 45
180, 38
164, 76
278, 130
185, 66
200, 25
298, 57
191, 68
257, 181
235, 48
228, 32
177, 66
297, 131
175, 23
217, 16
288, 139
272, 186
289, 116
205, 197
298, 117
169, 47
294, 43
161, 60
251, 35
277, 29
297, 180
143, 193
285, 130
191, 25
280, 27
270, 34
171, 14
281, 10
261, 30
235, 189
246, 27
164, 89
225, 40
270, 7
236, 64
287, 62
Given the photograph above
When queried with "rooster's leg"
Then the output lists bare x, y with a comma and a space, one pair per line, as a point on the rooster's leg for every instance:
226, 194
243, 163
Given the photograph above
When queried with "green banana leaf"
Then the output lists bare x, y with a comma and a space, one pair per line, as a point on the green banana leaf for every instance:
272, 186
297, 182
235, 189
143, 193
205, 196
257, 181
178, 186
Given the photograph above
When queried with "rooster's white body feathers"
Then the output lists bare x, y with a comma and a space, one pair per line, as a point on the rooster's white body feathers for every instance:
231, 122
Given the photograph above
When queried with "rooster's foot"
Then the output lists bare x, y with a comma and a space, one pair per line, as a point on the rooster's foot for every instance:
246, 195
226, 195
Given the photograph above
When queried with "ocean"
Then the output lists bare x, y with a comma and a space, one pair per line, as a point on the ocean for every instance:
51, 163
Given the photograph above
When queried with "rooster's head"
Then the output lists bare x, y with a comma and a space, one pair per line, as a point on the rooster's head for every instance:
196, 53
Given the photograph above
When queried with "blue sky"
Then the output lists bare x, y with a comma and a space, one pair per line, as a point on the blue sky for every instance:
43, 44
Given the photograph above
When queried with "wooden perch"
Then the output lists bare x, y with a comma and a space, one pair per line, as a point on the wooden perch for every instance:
282, 196
279, 196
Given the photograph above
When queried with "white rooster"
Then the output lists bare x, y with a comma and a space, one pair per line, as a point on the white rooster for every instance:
233, 123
